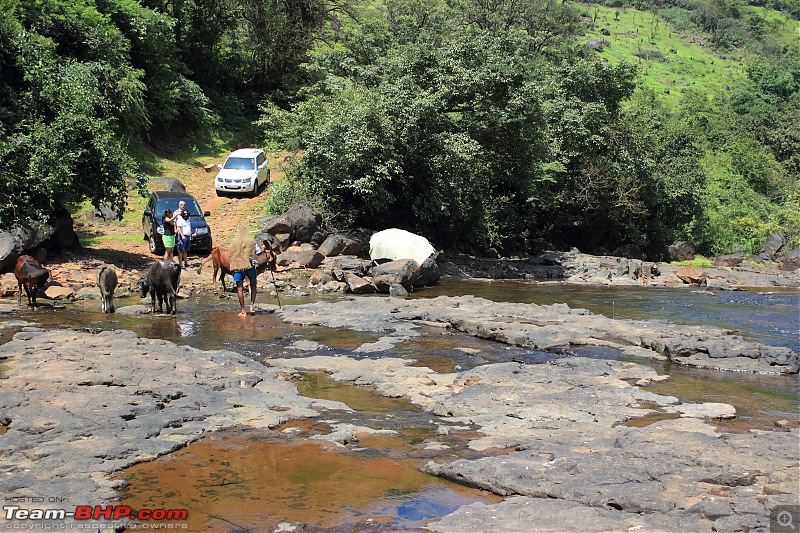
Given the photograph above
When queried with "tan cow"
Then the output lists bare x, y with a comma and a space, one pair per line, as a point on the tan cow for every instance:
222, 264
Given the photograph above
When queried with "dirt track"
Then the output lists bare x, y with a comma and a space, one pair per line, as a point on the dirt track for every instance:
121, 243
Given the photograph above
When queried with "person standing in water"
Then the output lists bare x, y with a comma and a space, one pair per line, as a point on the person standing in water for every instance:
242, 258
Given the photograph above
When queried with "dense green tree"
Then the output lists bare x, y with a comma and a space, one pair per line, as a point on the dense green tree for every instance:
447, 133
69, 99
751, 139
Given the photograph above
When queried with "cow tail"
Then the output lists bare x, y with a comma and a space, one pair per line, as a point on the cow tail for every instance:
200, 268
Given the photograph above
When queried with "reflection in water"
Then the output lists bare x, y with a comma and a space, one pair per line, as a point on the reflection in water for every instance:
362, 399
760, 401
652, 418
187, 329
256, 481
345, 339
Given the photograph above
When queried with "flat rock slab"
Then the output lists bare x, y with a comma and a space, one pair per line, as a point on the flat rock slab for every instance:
546, 328
571, 463
83, 405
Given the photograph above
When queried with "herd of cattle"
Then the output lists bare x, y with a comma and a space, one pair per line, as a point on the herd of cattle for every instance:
161, 281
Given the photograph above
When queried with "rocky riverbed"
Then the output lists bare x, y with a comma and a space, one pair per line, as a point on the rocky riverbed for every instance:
79, 406
547, 328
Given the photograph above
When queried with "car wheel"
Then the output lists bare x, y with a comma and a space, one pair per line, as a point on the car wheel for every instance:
154, 248
219, 193
255, 189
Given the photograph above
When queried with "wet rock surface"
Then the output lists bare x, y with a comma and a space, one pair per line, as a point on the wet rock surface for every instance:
547, 328
564, 420
81, 406
575, 465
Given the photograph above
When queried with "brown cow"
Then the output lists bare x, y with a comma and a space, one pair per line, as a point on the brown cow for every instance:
222, 263
31, 275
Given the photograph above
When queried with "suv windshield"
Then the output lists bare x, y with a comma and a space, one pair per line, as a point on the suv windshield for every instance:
240, 163
172, 205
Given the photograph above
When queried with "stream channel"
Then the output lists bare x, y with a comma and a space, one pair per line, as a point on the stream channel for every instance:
247, 480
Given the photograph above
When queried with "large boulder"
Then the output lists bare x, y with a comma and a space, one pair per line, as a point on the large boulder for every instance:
404, 272
772, 246
681, 251
351, 247
333, 245
21, 239
306, 223
305, 256
790, 261
167, 184
691, 275
300, 223
356, 284
729, 260
631, 251
104, 213
64, 236
275, 224
10, 249
393, 244
429, 273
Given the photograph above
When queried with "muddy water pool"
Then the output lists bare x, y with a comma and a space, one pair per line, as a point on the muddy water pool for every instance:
238, 480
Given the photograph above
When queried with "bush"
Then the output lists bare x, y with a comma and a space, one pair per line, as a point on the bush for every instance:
653, 54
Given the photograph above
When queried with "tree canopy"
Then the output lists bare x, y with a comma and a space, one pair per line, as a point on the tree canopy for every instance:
476, 123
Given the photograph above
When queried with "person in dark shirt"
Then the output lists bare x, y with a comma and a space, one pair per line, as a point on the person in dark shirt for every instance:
168, 220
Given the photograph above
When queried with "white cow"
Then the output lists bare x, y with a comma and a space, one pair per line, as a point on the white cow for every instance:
393, 244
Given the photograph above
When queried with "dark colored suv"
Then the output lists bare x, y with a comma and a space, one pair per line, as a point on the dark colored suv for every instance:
152, 226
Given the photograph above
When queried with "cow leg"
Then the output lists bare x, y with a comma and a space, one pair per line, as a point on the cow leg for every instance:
111, 303
19, 293
31, 293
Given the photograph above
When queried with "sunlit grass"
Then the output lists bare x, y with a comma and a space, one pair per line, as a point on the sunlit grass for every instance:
669, 60
698, 261
91, 239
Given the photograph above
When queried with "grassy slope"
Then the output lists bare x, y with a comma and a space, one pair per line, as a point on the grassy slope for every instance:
681, 59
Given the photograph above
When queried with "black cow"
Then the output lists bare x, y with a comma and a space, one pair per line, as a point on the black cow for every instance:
107, 281
162, 282
32, 276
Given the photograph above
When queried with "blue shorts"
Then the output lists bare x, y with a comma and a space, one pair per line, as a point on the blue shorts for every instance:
239, 276
183, 244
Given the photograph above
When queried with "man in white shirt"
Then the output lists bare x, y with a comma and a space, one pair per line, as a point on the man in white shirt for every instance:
183, 232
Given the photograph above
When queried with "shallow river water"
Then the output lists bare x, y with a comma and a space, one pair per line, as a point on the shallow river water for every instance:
242, 480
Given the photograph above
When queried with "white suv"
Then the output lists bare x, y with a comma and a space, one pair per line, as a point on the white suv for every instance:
245, 171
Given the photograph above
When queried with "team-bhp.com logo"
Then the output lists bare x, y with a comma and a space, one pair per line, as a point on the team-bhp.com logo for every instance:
95, 512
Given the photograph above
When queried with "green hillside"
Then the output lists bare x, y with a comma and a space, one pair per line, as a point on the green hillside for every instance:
670, 58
